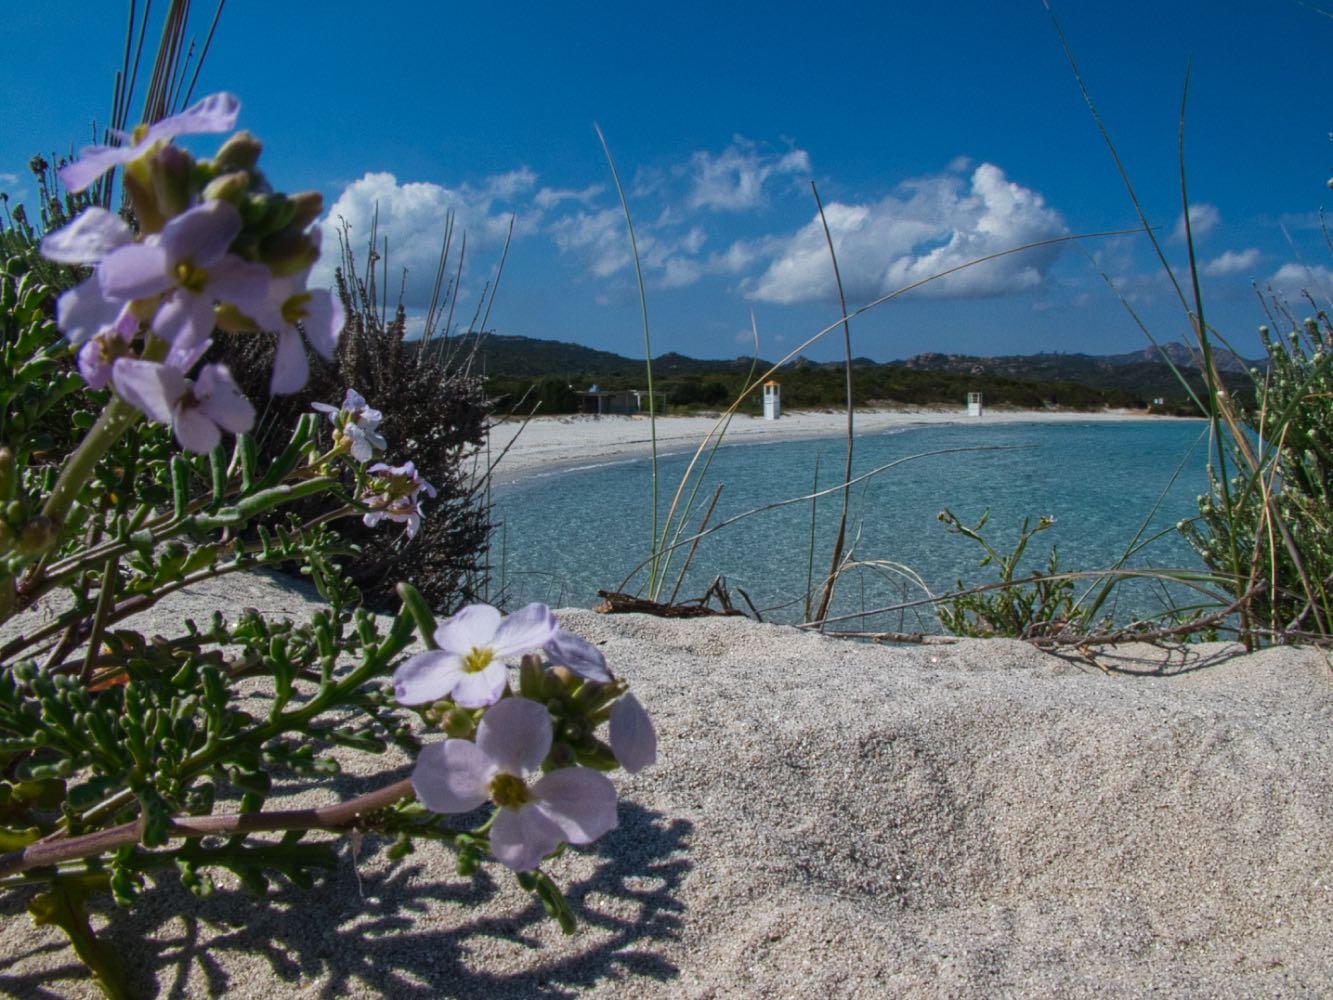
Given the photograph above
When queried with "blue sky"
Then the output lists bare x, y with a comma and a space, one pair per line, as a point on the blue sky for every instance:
936, 133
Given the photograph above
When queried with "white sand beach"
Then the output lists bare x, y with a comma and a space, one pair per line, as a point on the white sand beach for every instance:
826, 818
518, 448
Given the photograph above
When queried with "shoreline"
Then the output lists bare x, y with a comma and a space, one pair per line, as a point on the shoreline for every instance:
516, 449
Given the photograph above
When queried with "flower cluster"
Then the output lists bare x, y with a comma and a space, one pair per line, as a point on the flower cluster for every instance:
355, 426
565, 692
215, 247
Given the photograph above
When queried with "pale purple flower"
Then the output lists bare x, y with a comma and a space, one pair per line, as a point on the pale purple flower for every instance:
469, 665
569, 650
105, 348
633, 739
290, 311
198, 411
189, 262
395, 495
572, 804
89, 238
83, 312
216, 113
356, 424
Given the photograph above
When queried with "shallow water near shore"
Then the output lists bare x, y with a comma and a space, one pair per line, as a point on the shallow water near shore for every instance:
563, 534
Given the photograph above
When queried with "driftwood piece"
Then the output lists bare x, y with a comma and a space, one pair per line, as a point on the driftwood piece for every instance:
617, 603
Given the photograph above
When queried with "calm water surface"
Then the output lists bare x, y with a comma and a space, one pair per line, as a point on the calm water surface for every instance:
563, 535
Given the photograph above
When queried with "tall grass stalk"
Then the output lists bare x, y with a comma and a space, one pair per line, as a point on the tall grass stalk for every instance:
1246, 479
168, 91
654, 567
826, 597
669, 537
688, 485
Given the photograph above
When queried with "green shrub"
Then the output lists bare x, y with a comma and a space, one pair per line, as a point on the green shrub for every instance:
436, 413
1268, 528
1035, 607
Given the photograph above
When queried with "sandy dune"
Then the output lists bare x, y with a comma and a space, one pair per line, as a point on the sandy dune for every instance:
833, 819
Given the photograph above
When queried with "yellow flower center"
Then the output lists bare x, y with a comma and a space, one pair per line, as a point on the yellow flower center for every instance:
191, 278
294, 309
509, 791
477, 660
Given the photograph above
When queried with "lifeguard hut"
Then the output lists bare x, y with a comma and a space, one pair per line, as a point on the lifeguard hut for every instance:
772, 400
974, 404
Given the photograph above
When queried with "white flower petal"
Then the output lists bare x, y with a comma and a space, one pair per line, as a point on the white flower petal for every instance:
92, 163
520, 838
525, 631
452, 777
471, 628
426, 677
87, 239
151, 388
516, 734
83, 312
324, 322
474, 689
290, 368
579, 655
195, 431
134, 271
633, 739
215, 113
221, 399
580, 801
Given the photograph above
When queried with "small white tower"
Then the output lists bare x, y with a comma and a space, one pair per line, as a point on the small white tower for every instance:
974, 404
772, 400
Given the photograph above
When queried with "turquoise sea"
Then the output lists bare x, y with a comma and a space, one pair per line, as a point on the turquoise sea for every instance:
562, 535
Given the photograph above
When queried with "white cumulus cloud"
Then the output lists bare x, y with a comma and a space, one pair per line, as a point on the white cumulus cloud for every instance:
597, 237
550, 197
734, 179
1231, 262
1204, 218
413, 216
1295, 280
933, 224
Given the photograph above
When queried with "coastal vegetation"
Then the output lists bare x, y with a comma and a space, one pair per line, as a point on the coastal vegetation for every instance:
135, 465
163, 430
550, 376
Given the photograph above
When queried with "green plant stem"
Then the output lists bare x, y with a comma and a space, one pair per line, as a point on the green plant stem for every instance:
372, 663
116, 418
655, 571
340, 816
840, 540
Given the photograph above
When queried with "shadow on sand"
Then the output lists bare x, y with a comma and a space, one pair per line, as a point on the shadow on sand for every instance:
395, 932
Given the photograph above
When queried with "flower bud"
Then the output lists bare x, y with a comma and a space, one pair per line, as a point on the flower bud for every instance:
287, 253
137, 179
231, 187
240, 152
171, 168
459, 725
309, 205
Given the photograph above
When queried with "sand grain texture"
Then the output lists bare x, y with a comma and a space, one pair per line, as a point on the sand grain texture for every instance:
831, 818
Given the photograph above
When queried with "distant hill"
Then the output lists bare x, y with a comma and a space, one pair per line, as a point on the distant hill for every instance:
1076, 367
518, 367
498, 354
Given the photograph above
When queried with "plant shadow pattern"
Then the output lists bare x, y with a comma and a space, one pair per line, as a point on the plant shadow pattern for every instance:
392, 931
